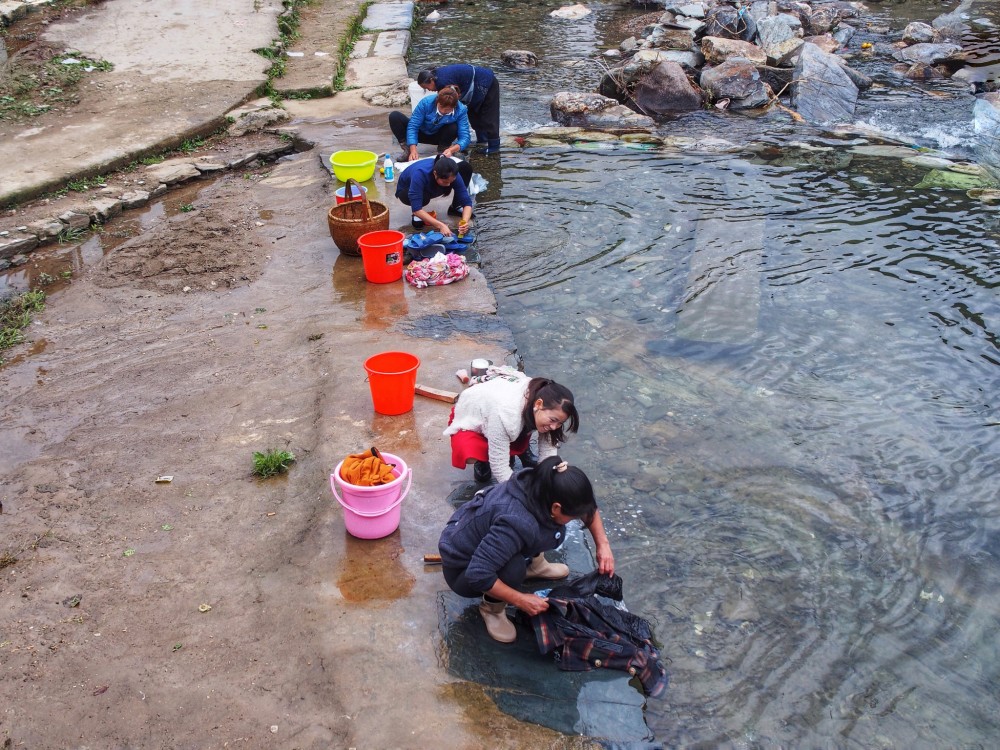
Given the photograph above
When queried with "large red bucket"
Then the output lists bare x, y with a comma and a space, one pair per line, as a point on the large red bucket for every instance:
382, 254
373, 512
392, 376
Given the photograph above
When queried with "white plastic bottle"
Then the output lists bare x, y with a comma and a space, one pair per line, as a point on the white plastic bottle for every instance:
388, 170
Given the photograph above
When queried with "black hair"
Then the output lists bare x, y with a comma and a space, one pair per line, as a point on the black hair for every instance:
553, 396
426, 76
444, 166
570, 488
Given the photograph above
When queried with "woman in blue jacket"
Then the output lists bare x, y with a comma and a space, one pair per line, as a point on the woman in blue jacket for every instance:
480, 93
441, 120
495, 541
431, 178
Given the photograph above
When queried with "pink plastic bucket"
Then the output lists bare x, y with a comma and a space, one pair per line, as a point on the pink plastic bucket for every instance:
373, 512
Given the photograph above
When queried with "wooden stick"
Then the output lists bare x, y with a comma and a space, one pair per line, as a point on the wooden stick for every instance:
447, 396
432, 558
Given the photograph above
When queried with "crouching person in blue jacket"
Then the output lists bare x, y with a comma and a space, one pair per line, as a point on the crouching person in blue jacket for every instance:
496, 541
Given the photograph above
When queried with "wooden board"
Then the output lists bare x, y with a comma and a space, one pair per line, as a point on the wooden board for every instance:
447, 396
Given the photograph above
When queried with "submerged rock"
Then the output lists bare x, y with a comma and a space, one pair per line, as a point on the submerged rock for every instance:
519, 59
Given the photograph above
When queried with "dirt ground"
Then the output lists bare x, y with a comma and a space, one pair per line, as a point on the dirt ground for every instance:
219, 610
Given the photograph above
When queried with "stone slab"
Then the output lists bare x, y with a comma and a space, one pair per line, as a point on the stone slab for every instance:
388, 16
391, 44
375, 71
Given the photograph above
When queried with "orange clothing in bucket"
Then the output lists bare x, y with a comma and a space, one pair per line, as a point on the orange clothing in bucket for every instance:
366, 469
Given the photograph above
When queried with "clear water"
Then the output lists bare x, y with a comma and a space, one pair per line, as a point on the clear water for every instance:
787, 356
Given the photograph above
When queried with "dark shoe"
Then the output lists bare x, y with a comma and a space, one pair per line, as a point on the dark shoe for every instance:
491, 147
457, 211
407, 258
528, 459
416, 222
481, 472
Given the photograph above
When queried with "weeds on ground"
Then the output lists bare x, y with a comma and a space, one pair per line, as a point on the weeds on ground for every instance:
271, 462
354, 32
15, 316
31, 89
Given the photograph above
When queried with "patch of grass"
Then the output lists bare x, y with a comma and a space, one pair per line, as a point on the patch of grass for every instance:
31, 88
15, 316
84, 184
271, 462
191, 144
149, 161
70, 234
187, 207
354, 32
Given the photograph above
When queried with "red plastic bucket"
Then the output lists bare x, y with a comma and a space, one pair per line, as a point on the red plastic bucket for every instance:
373, 512
382, 255
392, 376
355, 195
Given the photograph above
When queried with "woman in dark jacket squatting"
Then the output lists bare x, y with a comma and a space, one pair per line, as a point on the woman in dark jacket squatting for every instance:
496, 540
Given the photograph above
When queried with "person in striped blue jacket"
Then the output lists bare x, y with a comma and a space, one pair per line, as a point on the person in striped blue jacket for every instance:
441, 120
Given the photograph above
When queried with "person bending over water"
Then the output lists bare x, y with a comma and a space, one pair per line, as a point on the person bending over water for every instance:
496, 541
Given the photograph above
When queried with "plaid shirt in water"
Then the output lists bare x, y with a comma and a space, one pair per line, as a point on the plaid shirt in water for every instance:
593, 635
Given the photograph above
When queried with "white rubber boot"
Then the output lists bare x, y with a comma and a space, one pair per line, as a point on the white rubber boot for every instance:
542, 568
497, 625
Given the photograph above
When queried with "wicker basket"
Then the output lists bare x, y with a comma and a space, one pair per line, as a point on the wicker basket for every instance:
350, 220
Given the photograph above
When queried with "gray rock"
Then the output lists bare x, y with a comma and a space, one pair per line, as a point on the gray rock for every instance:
737, 80
822, 20
844, 34
257, 120
719, 49
822, 92
15, 245
919, 33
691, 10
134, 198
519, 59
629, 46
102, 209
664, 37
595, 111
171, 172
666, 89
46, 229
394, 96
75, 219
772, 31
205, 166
928, 53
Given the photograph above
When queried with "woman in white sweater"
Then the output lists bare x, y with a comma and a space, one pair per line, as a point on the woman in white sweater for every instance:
493, 421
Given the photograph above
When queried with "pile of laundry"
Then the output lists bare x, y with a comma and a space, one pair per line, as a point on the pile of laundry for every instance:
437, 270
587, 631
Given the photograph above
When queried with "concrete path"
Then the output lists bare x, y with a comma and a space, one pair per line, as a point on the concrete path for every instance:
179, 69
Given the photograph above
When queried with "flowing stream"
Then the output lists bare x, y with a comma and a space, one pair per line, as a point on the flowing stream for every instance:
786, 348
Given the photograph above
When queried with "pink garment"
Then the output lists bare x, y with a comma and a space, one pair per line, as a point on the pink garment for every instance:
436, 271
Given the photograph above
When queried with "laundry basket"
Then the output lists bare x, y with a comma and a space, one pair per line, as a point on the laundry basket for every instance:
348, 221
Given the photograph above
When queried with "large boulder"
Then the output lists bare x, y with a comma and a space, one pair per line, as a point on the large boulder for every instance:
719, 49
737, 80
929, 54
919, 33
597, 112
619, 82
666, 89
665, 37
822, 92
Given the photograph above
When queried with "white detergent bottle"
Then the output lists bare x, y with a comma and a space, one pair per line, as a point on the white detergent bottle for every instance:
388, 170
